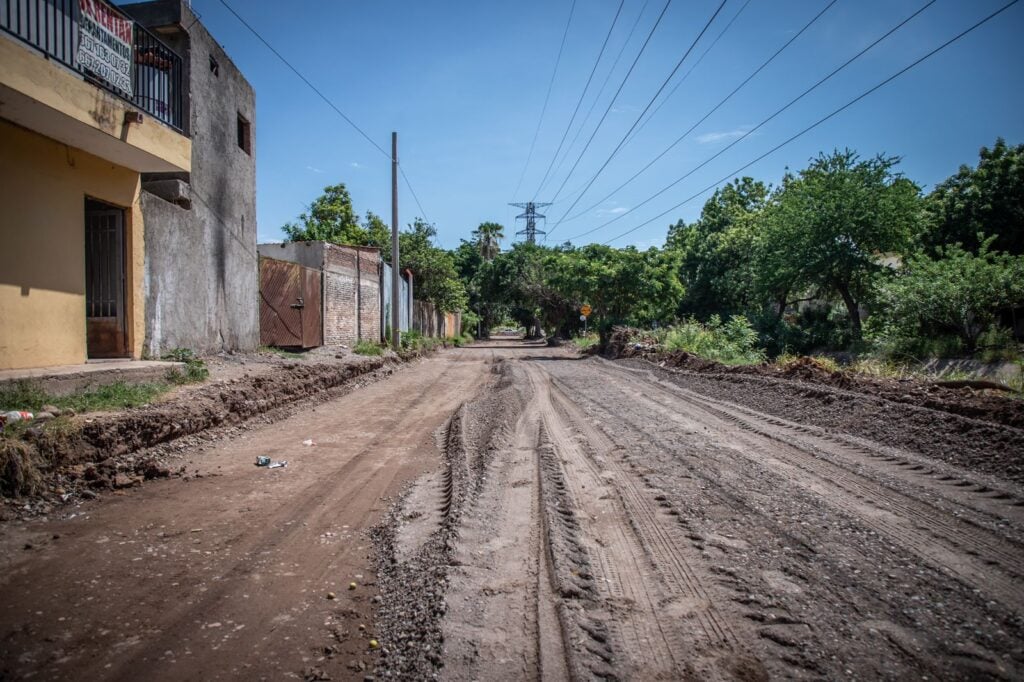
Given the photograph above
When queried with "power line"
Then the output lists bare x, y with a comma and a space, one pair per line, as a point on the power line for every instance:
706, 116
821, 120
762, 123
328, 101
691, 70
547, 97
615, 97
600, 91
582, 95
304, 79
638, 118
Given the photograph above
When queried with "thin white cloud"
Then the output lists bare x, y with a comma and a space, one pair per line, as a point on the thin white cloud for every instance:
356, 164
313, 169
611, 211
718, 136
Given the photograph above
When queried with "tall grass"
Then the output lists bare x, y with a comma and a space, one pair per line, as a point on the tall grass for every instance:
733, 342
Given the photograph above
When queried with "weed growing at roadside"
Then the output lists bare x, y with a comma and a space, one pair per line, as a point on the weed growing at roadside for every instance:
272, 350
585, 342
732, 343
368, 348
25, 395
195, 369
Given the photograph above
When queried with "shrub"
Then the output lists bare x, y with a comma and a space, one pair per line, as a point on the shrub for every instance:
733, 342
195, 369
368, 348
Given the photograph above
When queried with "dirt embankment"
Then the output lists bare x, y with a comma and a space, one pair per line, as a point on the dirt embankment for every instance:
963, 400
98, 452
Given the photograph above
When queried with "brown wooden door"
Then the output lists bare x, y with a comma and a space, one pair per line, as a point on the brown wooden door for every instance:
105, 319
289, 305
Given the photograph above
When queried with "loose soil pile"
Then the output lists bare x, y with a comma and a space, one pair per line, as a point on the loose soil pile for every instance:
966, 401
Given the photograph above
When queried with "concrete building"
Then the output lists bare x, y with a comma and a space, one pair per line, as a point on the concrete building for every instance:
127, 174
201, 268
89, 102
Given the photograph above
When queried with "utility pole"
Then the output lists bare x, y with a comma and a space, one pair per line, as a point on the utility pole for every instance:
396, 277
531, 215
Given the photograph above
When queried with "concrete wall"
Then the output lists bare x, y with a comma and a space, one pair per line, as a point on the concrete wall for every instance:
43, 187
202, 271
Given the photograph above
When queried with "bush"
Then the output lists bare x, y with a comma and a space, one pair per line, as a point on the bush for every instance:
368, 348
732, 343
195, 369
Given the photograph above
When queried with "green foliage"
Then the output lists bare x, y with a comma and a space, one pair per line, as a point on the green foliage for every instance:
488, 238
958, 293
195, 370
25, 395
330, 218
413, 340
435, 276
273, 350
583, 342
368, 348
733, 342
827, 227
986, 199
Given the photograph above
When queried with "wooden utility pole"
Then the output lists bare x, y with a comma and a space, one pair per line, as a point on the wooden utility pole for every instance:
396, 277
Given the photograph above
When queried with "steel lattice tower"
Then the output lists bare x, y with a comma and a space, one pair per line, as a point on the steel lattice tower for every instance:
530, 215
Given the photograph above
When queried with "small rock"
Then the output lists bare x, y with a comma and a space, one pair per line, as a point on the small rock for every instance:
123, 481
331, 595
352, 586
44, 416
52, 409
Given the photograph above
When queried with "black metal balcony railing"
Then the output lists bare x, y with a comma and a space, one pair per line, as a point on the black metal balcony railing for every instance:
52, 26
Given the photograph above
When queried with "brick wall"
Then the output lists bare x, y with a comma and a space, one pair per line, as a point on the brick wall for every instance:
351, 295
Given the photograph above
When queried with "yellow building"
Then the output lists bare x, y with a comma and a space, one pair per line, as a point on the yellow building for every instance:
89, 101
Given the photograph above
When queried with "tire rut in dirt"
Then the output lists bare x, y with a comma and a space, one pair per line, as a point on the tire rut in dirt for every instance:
991, 564
809, 603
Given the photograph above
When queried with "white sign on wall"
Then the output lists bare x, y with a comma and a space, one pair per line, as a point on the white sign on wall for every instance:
105, 44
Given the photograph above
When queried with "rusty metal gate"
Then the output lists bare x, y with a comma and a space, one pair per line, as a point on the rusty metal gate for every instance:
290, 310
105, 320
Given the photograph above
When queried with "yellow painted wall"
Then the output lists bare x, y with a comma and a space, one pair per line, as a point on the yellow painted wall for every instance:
43, 186
28, 73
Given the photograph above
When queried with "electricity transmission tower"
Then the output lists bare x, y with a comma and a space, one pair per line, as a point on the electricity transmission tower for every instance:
530, 215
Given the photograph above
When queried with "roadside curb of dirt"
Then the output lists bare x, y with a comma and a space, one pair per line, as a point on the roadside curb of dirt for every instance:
106, 452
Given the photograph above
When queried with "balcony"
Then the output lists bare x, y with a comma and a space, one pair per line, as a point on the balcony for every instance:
104, 46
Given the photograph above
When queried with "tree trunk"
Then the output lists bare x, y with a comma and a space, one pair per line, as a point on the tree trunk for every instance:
853, 310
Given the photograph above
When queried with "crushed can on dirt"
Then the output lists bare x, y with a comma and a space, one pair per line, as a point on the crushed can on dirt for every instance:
264, 461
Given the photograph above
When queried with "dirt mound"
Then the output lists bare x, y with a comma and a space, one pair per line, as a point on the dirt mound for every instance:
99, 451
964, 400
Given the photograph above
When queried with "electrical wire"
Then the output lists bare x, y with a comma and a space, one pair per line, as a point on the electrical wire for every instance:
642, 113
707, 115
614, 98
304, 79
572, 118
821, 120
547, 97
600, 91
750, 132
329, 103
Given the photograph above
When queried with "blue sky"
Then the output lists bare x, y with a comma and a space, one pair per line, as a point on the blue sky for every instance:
464, 82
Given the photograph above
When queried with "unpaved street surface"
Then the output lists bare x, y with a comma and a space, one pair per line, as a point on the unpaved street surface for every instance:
508, 511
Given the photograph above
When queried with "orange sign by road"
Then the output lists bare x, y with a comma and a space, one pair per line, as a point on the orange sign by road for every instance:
585, 309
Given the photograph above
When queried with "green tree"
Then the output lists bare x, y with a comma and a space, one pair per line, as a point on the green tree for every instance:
987, 199
715, 251
956, 292
488, 238
828, 227
435, 276
330, 218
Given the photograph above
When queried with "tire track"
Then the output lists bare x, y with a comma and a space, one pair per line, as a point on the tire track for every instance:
663, 617
978, 558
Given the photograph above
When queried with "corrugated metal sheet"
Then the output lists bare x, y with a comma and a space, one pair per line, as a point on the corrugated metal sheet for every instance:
405, 307
289, 305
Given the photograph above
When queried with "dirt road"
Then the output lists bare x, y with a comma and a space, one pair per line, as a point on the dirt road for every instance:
570, 519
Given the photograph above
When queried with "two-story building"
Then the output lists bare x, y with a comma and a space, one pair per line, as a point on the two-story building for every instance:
116, 238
